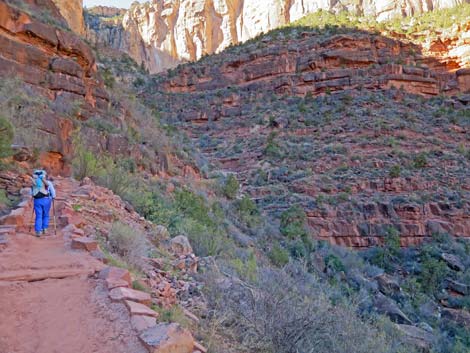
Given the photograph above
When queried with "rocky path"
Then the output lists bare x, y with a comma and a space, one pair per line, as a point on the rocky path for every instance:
50, 302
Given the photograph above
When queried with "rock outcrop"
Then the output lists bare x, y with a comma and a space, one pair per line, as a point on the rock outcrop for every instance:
315, 65
163, 33
54, 67
72, 12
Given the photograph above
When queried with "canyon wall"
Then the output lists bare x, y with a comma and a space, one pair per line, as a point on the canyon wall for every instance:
72, 12
163, 33
55, 72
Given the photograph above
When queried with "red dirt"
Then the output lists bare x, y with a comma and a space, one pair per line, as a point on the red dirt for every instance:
51, 303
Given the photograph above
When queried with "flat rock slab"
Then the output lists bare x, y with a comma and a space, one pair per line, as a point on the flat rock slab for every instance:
141, 323
115, 283
168, 338
138, 296
39, 275
416, 336
139, 309
83, 243
116, 277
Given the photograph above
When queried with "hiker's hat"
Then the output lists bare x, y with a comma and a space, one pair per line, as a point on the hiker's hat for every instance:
38, 173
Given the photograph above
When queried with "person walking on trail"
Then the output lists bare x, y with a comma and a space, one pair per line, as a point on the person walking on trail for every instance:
43, 193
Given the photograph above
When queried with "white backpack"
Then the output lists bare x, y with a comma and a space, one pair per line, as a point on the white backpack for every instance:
40, 187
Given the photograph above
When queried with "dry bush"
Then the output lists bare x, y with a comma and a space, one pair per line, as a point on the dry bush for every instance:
128, 243
290, 312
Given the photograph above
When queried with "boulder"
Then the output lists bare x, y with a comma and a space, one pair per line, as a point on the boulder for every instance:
168, 338
116, 277
15, 217
180, 245
99, 255
84, 243
457, 287
139, 309
461, 317
387, 284
141, 323
416, 336
186, 263
387, 306
453, 261
161, 233
122, 293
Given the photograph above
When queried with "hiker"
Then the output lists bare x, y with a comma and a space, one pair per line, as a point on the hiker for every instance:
43, 193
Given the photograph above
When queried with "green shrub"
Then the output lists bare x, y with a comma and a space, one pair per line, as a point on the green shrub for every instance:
4, 200
298, 249
272, 148
248, 212
108, 78
205, 240
278, 256
6, 131
384, 255
86, 164
395, 171
293, 222
114, 177
420, 160
137, 285
334, 263
248, 268
433, 273
193, 206
230, 187
172, 314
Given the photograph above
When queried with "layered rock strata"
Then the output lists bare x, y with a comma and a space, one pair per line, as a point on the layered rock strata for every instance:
163, 33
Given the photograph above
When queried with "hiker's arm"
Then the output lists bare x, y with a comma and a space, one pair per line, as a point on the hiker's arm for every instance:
51, 190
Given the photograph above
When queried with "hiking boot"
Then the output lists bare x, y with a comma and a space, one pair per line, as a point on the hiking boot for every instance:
38, 234
44, 231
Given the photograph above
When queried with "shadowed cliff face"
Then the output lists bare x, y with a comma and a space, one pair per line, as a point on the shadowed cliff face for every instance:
43, 63
334, 120
51, 92
163, 33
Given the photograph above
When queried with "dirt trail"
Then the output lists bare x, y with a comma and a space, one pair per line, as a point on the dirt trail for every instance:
50, 303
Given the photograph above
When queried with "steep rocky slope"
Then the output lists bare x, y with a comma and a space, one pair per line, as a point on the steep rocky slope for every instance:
54, 97
161, 33
346, 132
370, 157
51, 68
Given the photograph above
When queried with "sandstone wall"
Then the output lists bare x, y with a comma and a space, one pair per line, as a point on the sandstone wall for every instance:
72, 11
54, 64
163, 33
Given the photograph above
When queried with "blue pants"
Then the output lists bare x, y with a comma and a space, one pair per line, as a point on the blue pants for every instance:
41, 209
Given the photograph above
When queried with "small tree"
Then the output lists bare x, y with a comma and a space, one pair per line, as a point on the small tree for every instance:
384, 256
231, 186
278, 256
293, 222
